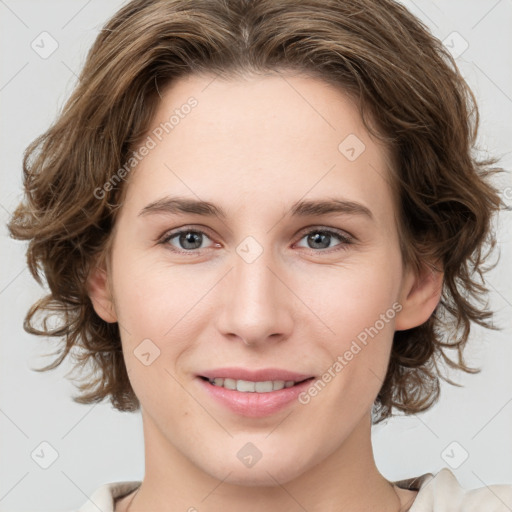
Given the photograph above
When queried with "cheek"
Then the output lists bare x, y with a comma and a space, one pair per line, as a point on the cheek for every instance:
158, 325
360, 308
354, 299
154, 298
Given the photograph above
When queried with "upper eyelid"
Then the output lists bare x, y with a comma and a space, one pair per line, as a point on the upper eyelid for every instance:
176, 231
304, 231
206, 230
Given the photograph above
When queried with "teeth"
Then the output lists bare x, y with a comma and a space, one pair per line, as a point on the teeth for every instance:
246, 386
229, 383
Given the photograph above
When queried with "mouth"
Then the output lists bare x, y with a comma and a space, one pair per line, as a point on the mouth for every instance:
253, 393
253, 398
248, 386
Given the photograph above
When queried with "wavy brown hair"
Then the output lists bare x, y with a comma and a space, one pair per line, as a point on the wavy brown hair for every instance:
410, 95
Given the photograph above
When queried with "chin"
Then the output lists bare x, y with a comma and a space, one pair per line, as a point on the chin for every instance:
266, 472
262, 477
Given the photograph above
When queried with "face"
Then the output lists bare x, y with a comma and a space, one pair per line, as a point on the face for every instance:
291, 276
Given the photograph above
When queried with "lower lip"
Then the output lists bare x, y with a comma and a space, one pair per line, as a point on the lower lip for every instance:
254, 405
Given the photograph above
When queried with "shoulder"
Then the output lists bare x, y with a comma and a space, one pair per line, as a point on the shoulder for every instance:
443, 493
103, 497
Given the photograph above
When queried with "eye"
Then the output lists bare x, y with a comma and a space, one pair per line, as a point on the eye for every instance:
321, 239
188, 240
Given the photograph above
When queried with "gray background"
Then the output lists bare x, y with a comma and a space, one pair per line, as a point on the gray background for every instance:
96, 444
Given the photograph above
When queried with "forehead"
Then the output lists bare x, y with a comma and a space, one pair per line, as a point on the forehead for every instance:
261, 140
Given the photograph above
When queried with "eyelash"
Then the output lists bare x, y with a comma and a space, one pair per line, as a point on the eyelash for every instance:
344, 239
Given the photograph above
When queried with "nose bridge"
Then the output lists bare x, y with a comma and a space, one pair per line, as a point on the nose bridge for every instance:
251, 273
257, 307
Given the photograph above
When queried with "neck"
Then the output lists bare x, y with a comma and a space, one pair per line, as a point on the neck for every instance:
348, 479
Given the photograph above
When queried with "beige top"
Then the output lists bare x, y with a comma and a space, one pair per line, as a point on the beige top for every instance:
439, 493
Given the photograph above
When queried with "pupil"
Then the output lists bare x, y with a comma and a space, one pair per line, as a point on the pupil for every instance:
189, 238
318, 237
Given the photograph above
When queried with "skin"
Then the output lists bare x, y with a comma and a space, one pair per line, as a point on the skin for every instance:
254, 146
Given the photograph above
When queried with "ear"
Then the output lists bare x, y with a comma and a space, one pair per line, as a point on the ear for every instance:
420, 294
100, 294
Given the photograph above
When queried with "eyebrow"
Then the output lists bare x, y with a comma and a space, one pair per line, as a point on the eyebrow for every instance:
177, 205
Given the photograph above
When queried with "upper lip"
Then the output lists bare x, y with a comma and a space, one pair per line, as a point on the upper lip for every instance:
264, 374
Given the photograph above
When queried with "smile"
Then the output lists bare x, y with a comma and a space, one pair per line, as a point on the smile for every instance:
247, 386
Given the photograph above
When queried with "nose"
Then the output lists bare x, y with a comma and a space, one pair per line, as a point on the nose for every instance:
257, 303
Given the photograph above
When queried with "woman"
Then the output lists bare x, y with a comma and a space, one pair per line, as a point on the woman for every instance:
261, 222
